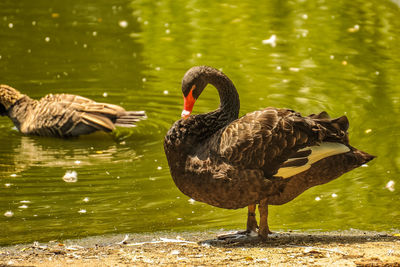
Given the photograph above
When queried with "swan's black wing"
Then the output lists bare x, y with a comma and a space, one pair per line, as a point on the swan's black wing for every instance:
281, 142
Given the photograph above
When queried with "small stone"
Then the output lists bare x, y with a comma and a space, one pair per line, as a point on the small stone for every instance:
175, 252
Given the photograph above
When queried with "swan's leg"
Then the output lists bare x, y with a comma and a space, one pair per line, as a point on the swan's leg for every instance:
251, 219
263, 209
251, 227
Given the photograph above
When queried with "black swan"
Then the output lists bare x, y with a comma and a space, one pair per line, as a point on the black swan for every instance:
267, 157
62, 115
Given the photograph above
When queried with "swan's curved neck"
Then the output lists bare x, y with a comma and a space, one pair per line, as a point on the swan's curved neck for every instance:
229, 98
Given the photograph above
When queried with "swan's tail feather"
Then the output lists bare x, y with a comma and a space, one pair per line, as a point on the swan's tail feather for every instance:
362, 157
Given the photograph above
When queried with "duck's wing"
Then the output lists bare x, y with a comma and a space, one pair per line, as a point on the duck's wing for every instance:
281, 142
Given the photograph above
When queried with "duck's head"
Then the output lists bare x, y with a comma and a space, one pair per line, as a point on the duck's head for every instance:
8, 96
193, 84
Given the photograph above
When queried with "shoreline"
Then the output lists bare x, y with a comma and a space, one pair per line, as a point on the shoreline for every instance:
341, 248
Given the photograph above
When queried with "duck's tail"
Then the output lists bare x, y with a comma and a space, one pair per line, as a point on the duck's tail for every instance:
129, 118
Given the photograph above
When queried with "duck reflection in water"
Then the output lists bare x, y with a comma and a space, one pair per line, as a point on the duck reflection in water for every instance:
34, 152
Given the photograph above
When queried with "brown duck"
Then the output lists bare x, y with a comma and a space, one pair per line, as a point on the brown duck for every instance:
62, 115
267, 157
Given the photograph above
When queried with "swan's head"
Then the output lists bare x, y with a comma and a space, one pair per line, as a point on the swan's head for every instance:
8, 96
193, 84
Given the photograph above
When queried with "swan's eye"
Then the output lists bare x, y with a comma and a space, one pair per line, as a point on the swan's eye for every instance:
190, 90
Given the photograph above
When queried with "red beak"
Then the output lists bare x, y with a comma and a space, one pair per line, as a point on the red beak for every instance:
188, 103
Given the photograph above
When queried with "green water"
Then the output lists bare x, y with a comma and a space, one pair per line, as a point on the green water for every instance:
338, 56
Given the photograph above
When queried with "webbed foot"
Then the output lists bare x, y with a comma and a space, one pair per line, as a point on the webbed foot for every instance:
246, 235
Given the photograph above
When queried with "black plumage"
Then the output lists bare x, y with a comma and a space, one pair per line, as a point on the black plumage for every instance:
267, 157
63, 115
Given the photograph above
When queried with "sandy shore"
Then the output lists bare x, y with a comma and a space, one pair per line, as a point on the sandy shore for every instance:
349, 248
